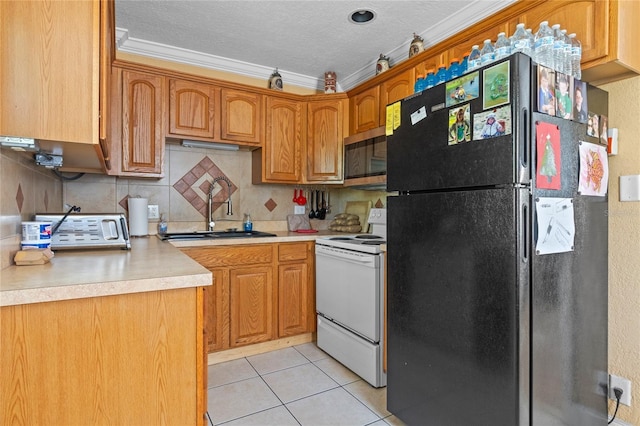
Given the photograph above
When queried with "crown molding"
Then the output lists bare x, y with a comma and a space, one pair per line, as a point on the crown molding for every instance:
185, 56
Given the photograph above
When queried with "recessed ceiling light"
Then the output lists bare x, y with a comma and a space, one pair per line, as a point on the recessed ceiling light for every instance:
362, 16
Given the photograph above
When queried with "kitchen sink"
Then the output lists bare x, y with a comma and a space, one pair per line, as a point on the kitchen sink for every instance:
212, 235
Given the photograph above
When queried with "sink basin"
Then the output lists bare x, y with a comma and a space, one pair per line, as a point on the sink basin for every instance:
212, 235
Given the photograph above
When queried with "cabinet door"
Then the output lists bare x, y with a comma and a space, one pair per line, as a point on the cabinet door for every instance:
324, 148
49, 69
142, 135
192, 109
241, 116
364, 108
394, 89
216, 311
251, 305
293, 299
281, 151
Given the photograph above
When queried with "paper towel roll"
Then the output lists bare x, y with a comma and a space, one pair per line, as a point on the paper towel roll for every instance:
138, 217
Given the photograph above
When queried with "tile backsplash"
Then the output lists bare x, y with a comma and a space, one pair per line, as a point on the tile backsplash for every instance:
181, 194
26, 189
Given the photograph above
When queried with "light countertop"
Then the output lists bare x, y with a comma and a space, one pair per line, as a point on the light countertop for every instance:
281, 237
150, 265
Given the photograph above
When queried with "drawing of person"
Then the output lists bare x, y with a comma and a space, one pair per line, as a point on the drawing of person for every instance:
546, 100
579, 109
563, 100
492, 127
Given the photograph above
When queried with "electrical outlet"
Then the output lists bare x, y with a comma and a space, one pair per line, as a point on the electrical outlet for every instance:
154, 212
622, 383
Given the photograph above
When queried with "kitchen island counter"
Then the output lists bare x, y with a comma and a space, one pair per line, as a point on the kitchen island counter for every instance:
150, 265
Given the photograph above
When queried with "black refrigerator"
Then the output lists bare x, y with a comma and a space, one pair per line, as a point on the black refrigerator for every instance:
488, 324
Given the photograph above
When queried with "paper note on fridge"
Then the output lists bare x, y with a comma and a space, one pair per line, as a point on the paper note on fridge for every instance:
556, 225
418, 115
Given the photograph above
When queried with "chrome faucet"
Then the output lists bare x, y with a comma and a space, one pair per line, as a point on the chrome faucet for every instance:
210, 222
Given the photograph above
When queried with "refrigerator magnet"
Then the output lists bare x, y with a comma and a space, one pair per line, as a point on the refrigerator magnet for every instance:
496, 88
564, 93
549, 167
463, 89
604, 130
594, 169
491, 124
459, 125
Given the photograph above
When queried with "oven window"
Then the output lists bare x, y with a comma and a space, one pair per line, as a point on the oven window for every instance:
366, 158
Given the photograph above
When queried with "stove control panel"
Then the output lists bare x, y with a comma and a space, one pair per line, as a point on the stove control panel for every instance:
378, 216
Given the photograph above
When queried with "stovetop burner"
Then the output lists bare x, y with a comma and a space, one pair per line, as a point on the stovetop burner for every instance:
368, 237
341, 238
373, 242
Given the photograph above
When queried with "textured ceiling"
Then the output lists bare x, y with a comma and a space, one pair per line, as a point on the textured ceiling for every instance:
303, 39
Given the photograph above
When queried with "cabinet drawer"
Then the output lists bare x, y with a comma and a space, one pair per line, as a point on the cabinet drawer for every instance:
292, 251
212, 257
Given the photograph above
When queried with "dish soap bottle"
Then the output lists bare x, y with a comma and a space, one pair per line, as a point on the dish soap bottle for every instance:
248, 225
162, 225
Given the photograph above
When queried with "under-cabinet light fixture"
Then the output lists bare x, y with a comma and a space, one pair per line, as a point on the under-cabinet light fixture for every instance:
18, 144
209, 145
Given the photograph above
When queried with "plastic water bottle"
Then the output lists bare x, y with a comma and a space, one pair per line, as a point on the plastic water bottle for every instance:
464, 65
486, 54
474, 58
567, 53
520, 41
454, 69
430, 80
544, 45
503, 47
420, 84
441, 75
558, 49
576, 56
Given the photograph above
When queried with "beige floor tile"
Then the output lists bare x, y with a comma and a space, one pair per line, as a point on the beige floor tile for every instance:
278, 416
335, 407
337, 371
311, 351
394, 421
298, 382
229, 372
276, 360
374, 398
239, 399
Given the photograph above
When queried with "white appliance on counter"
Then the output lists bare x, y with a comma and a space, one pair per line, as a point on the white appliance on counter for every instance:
350, 299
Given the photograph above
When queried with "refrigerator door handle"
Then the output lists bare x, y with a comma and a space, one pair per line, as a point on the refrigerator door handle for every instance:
524, 141
524, 231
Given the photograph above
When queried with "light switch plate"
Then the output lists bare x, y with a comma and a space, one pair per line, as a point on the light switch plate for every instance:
630, 188
298, 210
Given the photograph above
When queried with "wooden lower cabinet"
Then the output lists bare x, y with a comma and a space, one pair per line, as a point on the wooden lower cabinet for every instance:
260, 292
129, 359
296, 289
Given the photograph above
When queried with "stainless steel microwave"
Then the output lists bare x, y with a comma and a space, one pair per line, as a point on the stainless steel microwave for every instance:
365, 159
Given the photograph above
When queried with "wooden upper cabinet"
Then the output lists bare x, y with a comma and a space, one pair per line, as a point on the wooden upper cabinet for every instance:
192, 109
364, 110
241, 116
142, 137
281, 151
325, 134
394, 89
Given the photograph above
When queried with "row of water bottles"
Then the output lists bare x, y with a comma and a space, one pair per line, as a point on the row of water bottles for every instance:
551, 47
433, 77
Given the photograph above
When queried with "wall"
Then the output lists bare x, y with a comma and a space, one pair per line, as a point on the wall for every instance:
182, 194
624, 245
26, 189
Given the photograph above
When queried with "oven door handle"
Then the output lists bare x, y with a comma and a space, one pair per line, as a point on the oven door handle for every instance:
346, 255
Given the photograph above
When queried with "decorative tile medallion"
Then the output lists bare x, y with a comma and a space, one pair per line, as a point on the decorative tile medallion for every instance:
195, 184
124, 203
270, 204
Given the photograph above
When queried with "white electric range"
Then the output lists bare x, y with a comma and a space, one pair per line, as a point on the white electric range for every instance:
350, 299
